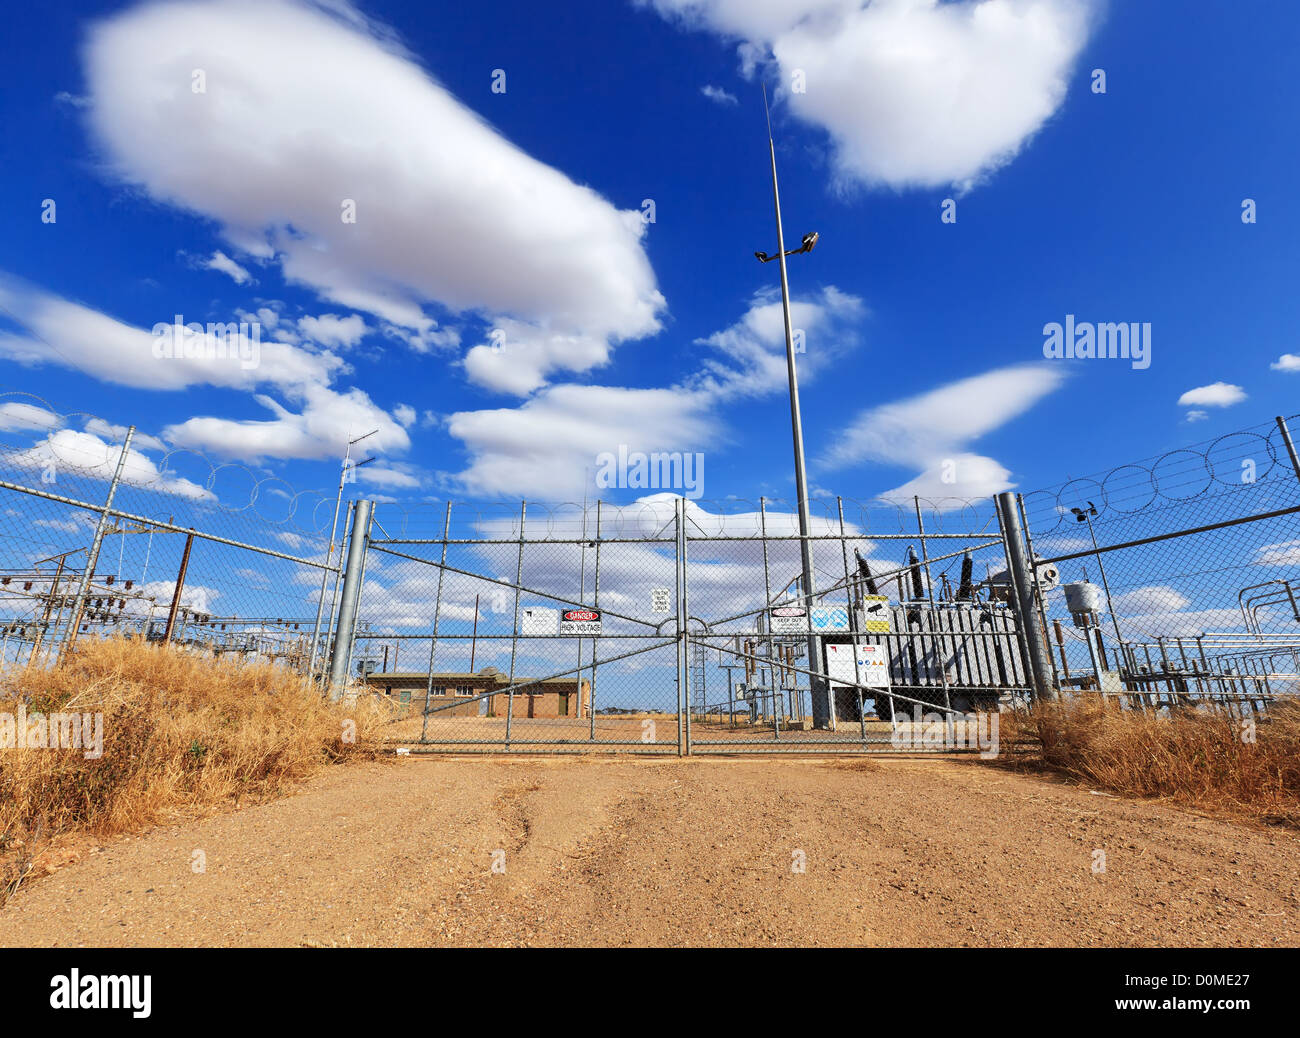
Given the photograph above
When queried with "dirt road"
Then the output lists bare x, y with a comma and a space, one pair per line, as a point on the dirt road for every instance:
667, 852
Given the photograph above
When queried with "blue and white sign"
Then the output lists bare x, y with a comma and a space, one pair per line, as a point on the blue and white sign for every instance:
830, 618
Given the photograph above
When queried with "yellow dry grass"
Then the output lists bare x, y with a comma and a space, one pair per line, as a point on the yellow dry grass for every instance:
181, 733
1199, 758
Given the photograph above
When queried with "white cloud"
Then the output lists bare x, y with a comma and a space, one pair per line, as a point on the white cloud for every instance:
1216, 394
16, 416
930, 431
389, 476
718, 94
327, 419
331, 330
62, 525
1197, 416
117, 434
519, 356
1151, 600
1288, 362
220, 261
194, 597
305, 108
751, 352
1283, 553
86, 454
75, 336
912, 92
1175, 624
69, 334
547, 447
404, 415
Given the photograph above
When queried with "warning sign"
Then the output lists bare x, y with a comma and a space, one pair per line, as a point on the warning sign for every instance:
875, 614
580, 621
873, 666
661, 600
857, 665
791, 619
535, 620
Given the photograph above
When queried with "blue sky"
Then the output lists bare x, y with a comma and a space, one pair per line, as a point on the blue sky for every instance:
502, 313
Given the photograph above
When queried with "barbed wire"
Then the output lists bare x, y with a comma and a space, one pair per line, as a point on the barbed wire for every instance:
648, 518
1246, 463
91, 454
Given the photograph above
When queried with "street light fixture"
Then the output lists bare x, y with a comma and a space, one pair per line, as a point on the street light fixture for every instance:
808, 241
822, 710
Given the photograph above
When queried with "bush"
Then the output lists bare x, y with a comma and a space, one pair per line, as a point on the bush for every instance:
1200, 757
181, 732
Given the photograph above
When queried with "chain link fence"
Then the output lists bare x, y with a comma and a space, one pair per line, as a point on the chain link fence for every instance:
668, 625
101, 536
673, 626
1179, 575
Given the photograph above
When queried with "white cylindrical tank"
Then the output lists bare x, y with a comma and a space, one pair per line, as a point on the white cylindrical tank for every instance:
1083, 597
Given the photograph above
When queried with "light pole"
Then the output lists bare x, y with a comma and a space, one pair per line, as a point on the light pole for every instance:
1084, 515
823, 715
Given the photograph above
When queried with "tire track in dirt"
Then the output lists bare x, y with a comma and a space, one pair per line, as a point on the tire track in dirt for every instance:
612, 851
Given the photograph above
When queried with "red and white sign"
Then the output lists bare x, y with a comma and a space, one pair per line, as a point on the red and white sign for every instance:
580, 621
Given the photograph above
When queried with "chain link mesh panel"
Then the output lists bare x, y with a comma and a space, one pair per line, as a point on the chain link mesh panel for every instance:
1179, 574
249, 553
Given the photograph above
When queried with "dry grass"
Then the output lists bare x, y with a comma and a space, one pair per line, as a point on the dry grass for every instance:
181, 733
1200, 759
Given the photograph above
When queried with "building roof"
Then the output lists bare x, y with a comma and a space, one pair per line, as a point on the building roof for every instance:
496, 678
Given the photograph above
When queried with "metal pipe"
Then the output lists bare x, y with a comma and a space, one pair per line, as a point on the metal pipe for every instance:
92, 558
343, 635
681, 625
1275, 514
332, 615
1290, 447
940, 649
437, 613
329, 557
473, 644
1018, 569
687, 691
115, 513
361, 587
822, 715
591, 697
514, 642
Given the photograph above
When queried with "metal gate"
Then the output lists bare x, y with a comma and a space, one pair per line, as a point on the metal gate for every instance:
907, 632
668, 627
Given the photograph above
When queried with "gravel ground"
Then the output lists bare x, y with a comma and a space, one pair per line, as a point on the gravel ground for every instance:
702, 851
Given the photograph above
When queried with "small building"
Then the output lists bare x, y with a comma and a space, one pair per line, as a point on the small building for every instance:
466, 695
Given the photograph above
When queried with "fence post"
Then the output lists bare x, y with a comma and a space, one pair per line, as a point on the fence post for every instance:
680, 553
1022, 582
1290, 447
349, 601
92, 558
179, 589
